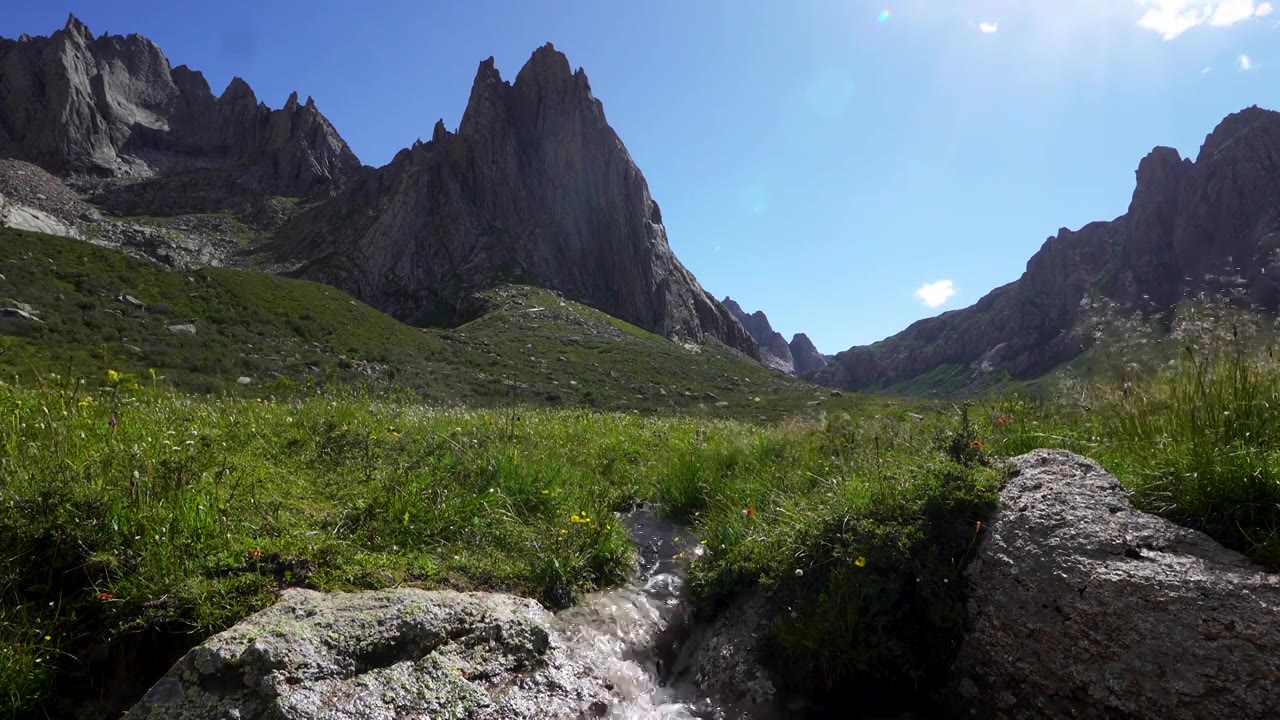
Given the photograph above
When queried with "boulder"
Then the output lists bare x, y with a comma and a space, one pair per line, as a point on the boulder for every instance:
1084, 607
724, 657
183, 329
12, 319
405, 653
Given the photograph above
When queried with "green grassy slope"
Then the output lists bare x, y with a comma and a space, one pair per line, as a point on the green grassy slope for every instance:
532, 347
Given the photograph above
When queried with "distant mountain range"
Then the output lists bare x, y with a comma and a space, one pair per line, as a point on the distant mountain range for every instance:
797, 357
101, 139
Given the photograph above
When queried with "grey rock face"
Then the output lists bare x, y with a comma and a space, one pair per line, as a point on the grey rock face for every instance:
112, 107
1086, 608
535, 188
805, 356
184, 329
1187, 223
724, 658
774, 351
401, 654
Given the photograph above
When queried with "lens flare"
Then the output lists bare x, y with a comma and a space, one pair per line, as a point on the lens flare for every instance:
884, 16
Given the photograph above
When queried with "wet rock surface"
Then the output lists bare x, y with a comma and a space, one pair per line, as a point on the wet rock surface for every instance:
1084, 607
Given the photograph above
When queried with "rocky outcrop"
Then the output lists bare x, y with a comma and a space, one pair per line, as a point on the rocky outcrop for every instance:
805, 355
113, 107
1084, 607
725, 658
774, 351
535, 188
1188, 224
388, 654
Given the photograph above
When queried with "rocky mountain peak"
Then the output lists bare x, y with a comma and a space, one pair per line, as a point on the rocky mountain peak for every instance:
75, 26
113, 107
238, 91
535, 188
1232, 127
805, 355
774, 350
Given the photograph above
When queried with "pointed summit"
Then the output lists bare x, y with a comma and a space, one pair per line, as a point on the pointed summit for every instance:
236, 90
74, 25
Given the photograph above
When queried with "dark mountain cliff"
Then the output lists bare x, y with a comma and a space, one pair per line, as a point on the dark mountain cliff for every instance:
534, 187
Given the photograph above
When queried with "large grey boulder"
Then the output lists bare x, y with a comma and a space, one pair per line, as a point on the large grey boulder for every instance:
405, 654
1084, 607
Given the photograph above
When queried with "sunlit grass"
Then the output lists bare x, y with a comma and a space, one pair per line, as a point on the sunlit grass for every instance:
127, 508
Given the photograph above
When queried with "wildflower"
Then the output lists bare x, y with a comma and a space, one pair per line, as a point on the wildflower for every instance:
976, 445
113, 377
860, 562
85, 403
103, 597
748, 512
47, 638
255, 553
113, 422
1002, 420
799, 572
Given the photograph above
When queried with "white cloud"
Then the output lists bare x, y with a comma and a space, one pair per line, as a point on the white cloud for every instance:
935, 294
1171, 18
1245, 62
1205, 71
989, 27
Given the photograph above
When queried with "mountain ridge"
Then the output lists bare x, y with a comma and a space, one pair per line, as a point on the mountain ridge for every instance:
1189, 224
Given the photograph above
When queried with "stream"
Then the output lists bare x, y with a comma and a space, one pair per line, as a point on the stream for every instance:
637, 633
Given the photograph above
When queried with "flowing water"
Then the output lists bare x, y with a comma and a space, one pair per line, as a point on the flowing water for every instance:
636, 632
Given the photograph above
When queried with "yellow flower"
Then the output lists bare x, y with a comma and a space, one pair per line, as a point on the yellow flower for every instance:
85, 403
47, 638
113, 376
860, 562
574, 518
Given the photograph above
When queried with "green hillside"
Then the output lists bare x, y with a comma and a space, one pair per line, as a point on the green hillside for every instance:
99, 309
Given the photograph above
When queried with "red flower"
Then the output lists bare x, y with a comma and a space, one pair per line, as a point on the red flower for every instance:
1002, 420
103, 597
748, 512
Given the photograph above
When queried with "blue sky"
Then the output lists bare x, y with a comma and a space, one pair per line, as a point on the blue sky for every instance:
822, 160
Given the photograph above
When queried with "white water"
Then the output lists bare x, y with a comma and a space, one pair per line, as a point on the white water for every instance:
635, 631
